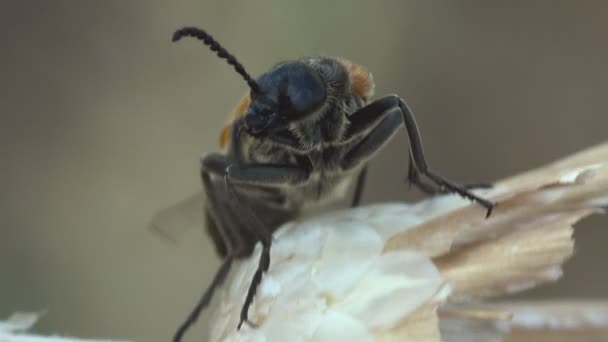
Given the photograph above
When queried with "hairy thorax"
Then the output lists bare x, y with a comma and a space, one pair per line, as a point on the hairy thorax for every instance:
317, 146
327, 181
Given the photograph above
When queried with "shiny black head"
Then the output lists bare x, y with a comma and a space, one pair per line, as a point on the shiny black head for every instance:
289, 92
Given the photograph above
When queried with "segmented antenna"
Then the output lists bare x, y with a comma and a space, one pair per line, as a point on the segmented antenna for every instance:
221, 52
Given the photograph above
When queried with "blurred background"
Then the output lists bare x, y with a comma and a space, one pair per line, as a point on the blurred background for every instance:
103, 120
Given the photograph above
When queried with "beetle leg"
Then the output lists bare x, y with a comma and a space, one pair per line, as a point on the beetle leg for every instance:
413, 177
384, 113
361, 178
368, 117
372, 141
219, 221
419, 159
267, 176
219, 278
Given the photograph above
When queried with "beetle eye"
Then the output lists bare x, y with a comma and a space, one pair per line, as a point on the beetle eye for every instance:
305, 93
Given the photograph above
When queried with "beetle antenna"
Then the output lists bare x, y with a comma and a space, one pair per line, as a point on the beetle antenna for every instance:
221, 52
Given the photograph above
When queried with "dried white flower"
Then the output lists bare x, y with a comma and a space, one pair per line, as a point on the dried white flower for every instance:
330, 280
397, 272
379, 273
15, 327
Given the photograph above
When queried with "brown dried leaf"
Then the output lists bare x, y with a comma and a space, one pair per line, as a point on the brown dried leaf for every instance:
575, 182
460, 323
547, 320
553, 172
572, 320
529, 255
528, 236
420, 325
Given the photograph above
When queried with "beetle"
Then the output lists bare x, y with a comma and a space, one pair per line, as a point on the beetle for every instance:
302, 134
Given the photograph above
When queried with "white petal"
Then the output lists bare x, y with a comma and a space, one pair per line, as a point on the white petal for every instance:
347, 254
336, 326
20, 321
296, 323
398, 284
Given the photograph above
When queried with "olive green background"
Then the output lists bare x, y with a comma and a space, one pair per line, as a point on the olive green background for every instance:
103, 120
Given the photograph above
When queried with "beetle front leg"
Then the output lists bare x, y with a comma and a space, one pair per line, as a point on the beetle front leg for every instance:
218, 279
413, 177
419, 159
372, 141
221, 219
361, 178
381, 133
266, 176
